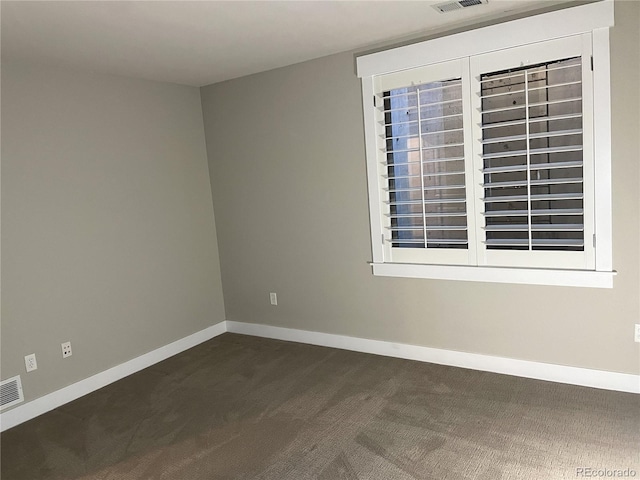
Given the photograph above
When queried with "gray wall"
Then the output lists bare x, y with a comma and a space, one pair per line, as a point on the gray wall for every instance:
287, 165
108, 234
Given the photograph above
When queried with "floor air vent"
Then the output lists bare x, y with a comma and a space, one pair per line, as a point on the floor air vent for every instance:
11, 392
451, 6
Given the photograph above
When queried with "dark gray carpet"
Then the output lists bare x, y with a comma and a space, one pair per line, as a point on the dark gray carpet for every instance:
239, 407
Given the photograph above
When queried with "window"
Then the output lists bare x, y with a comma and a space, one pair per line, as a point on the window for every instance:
492, 165
421, 119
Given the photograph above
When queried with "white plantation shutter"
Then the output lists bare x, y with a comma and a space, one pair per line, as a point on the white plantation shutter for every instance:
423, 174
534, 164
488, 152
519, 114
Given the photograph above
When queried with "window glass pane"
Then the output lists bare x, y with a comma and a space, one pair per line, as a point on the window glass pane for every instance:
424, 144
532, 157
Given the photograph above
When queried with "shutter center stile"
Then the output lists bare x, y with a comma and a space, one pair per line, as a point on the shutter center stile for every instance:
528, 142
422, 185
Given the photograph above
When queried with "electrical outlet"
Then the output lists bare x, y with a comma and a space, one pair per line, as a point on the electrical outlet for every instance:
30, 362
66, 349
274, 298
637, 335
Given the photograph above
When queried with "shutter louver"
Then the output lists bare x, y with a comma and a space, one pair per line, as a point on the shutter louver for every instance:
425, 165
532, 157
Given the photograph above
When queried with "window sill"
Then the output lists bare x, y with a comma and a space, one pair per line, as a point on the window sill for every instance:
531, 276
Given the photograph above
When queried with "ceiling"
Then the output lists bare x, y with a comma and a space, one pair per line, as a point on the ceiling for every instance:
202, 42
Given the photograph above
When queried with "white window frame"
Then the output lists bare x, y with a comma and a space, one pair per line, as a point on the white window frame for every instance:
594, 19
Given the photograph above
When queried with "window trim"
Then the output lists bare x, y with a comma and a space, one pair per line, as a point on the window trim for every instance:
594, 18
538, 28
530, 276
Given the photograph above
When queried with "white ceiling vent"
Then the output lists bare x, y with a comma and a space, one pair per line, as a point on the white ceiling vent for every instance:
11, 392
457, 5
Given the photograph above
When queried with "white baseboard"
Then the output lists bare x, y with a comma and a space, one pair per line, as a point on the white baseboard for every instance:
48, 402
623, 382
